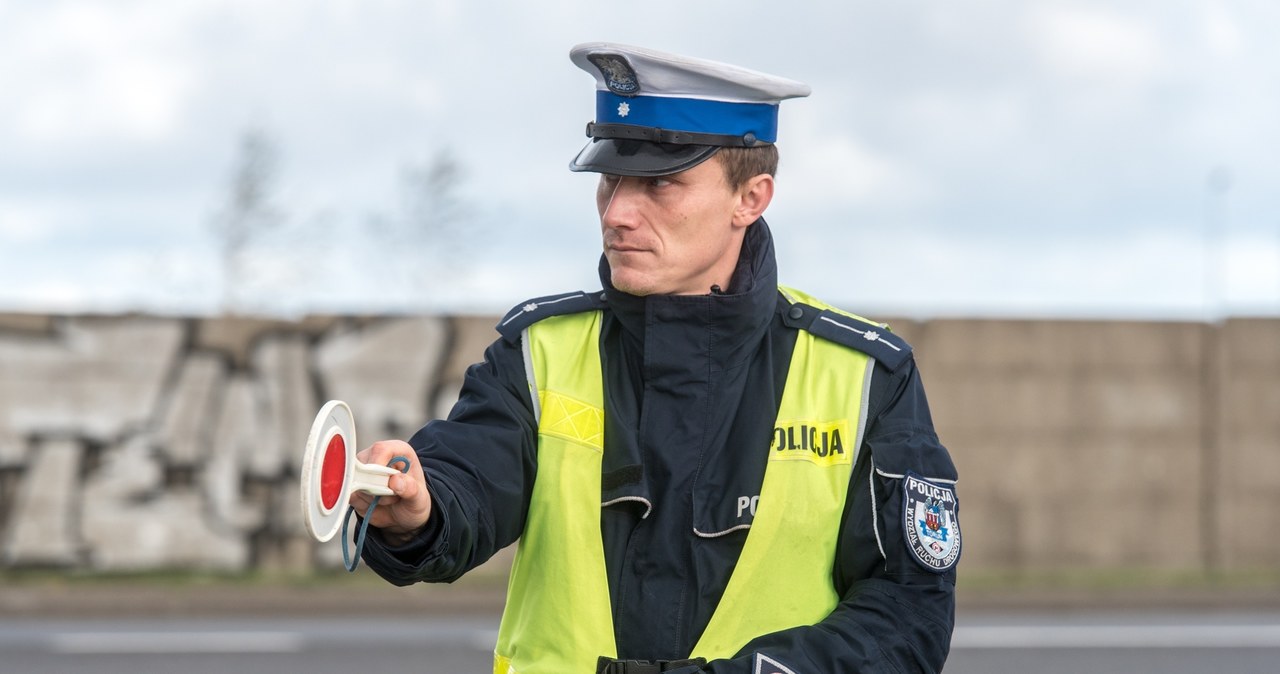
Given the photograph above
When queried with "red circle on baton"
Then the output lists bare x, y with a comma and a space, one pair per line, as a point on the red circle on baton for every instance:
333, 472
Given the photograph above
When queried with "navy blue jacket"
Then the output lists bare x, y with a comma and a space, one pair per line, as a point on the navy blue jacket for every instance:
693, 385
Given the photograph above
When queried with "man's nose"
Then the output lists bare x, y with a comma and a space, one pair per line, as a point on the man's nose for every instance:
619, 211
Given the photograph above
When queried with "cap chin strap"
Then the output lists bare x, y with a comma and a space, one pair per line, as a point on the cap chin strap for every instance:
656, 135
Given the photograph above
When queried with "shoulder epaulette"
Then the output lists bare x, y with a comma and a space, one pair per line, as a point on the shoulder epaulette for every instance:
534, 310
873, 339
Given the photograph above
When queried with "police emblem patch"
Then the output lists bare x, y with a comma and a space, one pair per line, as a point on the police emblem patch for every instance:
929, 523
619, 76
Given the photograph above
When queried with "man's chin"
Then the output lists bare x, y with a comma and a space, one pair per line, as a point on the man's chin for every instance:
631, 284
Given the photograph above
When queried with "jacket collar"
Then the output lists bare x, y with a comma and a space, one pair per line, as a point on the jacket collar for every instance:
675, 331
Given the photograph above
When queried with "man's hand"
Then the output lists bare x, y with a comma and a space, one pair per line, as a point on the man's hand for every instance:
403, 514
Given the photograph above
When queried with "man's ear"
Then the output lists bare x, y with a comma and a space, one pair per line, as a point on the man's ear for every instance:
753, 198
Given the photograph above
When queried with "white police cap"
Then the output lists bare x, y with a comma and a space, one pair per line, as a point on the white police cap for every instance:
659, 113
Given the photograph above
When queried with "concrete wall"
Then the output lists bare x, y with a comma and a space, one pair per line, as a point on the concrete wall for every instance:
137, 442
1079, 444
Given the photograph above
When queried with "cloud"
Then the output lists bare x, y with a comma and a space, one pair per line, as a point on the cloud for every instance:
840, 166
1101, 45
962, 134
1147, 274
1222, 33
1250, 272
24, 223
80, 71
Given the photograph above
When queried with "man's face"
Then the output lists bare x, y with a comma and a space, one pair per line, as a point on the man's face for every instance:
670, 235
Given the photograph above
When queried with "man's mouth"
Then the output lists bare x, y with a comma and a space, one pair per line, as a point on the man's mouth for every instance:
621, 247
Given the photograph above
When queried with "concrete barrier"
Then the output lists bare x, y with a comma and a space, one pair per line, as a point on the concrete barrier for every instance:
136, 442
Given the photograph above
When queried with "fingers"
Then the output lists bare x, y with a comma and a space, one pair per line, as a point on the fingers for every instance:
408, 507
381, 453
361, 502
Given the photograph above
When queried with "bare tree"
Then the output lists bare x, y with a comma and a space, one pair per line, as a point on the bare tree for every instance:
249, 213
434, 235
419, 247
435, 210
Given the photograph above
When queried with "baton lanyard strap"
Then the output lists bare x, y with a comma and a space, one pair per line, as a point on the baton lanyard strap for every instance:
348, 561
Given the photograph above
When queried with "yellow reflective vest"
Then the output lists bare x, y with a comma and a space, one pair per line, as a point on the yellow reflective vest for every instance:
558, 617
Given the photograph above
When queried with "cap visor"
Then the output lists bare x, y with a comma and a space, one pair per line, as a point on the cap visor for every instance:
639, 157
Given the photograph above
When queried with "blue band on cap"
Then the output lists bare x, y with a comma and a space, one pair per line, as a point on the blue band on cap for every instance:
693, 115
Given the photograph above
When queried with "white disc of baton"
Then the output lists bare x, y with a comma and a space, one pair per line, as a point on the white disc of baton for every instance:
330, 471
327, 465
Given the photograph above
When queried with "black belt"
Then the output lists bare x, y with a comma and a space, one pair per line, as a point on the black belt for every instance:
610, 666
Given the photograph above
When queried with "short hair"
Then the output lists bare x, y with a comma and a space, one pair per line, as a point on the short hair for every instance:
744, 163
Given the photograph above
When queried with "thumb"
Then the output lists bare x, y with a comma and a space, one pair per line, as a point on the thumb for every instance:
404, 486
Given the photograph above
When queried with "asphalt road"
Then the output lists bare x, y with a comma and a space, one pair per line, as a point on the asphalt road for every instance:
1128, 642
437, 645
1132, 643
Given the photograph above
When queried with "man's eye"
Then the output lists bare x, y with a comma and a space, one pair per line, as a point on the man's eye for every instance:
659, 182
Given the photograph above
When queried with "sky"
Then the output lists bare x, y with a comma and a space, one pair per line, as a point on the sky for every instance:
994, 158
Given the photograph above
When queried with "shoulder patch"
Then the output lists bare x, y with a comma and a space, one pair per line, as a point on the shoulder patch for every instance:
534, 310
872, 339
930, 524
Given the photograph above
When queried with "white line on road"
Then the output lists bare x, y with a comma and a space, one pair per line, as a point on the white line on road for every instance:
1118, 636
176, 642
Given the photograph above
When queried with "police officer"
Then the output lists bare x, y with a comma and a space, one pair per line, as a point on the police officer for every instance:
706, 471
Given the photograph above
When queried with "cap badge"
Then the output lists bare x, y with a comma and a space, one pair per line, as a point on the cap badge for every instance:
619, 76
